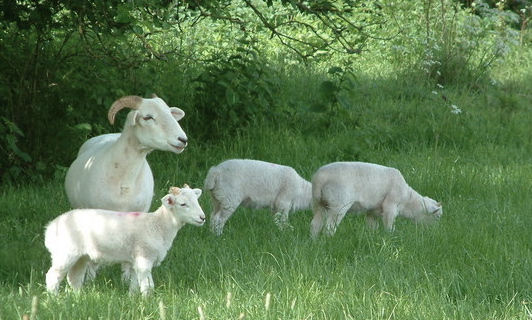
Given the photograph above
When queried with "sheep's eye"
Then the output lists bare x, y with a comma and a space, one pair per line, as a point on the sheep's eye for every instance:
183, 204
148, 117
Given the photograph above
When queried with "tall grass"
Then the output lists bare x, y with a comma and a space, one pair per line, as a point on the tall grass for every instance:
475, 264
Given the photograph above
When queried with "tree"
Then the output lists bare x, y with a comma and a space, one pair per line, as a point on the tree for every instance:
45, 46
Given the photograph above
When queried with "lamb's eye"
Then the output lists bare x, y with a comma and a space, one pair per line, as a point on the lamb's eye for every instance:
148, 117
183, 204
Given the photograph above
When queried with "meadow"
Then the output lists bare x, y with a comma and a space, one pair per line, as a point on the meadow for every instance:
476, 263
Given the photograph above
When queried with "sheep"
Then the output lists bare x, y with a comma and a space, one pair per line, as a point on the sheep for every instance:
359, 187
255, 184
139, 241
111, 171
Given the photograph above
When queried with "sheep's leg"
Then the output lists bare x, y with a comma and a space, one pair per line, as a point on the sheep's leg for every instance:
126, 271
54, 276
389, 213
317, 222
131, 276
143, 268
281, 220
58, 271
92, 269
219, 216
333, 217
76, 274
372, 221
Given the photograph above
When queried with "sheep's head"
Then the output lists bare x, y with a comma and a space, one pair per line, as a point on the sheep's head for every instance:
426, 211
433, 208
183, 202
156, 125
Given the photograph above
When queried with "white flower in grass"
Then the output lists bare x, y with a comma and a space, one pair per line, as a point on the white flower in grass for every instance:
455, 109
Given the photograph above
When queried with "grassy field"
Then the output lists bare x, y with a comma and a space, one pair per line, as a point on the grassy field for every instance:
475, 264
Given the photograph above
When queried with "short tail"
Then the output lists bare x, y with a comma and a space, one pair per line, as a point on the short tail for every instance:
51, 237
210, 180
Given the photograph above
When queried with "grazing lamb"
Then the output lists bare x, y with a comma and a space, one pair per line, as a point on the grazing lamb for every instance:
82, 237
111, 171
359, 187
255, 184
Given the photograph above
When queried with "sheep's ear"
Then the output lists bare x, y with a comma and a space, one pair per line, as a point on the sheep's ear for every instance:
168, 201
197, 192
134, 117
153, 95
433, 207
177, 113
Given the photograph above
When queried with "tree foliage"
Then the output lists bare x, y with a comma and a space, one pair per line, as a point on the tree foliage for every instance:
63, 63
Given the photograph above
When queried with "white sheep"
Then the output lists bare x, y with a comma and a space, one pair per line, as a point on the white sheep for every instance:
255, 184
111, 171
81, 238
359, 187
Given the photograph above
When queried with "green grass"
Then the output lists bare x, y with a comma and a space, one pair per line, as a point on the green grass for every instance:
476, 263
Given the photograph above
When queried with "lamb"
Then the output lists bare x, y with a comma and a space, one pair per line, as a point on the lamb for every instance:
255, 184
139, 241
359, 187
111, 171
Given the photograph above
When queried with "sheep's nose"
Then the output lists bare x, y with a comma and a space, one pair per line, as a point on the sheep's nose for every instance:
183, 140
202, 218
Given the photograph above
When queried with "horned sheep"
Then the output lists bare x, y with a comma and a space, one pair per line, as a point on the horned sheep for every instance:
139, 241
359, 187
255, 184
111, 171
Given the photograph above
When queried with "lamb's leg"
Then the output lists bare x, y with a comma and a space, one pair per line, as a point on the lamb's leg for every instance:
281, 220
220, 215
58, 271
76, 274
317, 222
126, 271
371, 221
143, 268
92, 269
389, 213
131, 277
54, 276
333, 217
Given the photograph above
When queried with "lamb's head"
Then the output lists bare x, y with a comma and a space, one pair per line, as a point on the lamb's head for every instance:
183, 202
433, 207
425, 210
155, 124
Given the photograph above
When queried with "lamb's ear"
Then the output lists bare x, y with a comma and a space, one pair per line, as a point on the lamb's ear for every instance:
168, 201
197, 192
177, 113
433, 207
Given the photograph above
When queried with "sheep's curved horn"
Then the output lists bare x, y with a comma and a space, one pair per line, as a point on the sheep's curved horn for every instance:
131, 102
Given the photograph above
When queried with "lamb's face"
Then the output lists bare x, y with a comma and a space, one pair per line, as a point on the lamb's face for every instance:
184, 204
158, 127
430, 210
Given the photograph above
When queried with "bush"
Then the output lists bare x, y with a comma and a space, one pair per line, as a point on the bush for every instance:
232, 91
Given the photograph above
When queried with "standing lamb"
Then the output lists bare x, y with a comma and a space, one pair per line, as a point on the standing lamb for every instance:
255, 184
111, 171
82, 237
359, 187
